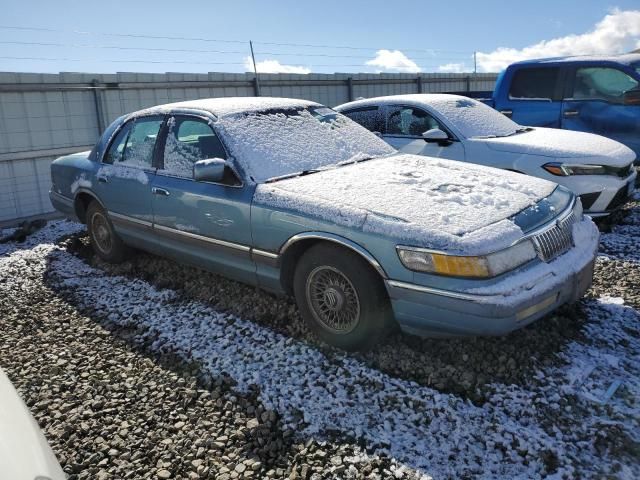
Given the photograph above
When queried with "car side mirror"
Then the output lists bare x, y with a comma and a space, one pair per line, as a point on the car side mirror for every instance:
209, 170
631, 97
435, 135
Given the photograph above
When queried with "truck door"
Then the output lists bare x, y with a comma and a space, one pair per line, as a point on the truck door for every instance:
534, 97
595, 102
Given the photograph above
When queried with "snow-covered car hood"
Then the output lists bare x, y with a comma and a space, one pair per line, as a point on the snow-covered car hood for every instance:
422, 201
560, 144
24, 452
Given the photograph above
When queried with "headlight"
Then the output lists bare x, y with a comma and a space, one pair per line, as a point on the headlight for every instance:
566, 169
484, 266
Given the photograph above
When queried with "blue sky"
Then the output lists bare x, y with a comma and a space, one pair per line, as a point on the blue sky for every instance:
417, 36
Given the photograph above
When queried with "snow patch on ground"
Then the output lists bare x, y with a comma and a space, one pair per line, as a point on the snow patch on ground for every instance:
439, 435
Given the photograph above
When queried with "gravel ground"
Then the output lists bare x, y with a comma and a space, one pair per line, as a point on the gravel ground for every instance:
150, 369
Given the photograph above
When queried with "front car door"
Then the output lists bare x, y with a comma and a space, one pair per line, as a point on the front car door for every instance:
595, 103
534, 97
404, 128
206, 224
124, 178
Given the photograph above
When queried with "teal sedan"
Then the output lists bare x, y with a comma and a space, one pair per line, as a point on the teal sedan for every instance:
297, 199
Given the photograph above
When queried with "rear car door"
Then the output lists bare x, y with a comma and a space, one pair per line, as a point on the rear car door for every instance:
204, 223
595, 103
123, 180
534, 97
404, 128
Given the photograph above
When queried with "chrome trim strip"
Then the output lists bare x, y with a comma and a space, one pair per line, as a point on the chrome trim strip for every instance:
213, 241
61, 198
126, 218
339, 240
264, 253
437, 291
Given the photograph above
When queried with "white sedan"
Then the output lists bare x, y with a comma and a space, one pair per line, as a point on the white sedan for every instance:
24, 452
596, 168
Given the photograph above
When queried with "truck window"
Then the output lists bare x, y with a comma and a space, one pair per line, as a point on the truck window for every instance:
602, 83
534, 84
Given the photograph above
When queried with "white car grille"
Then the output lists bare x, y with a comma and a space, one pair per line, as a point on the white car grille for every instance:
556, 240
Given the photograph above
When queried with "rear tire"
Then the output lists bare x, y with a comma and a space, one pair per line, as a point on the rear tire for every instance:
342, 299
105, 241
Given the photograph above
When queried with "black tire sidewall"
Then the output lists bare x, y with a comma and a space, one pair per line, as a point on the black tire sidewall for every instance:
118, 248
375, 312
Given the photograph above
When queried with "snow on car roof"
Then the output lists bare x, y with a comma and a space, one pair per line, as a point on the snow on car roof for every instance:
470, 117
232, 105
627, 59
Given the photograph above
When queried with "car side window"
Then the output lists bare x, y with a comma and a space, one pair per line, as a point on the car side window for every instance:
609, 84
410, 121
116, 149
534, 84
138, 150
189, 139
369, 117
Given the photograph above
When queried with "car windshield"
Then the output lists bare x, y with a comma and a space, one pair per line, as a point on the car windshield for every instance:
283, 142
474, 119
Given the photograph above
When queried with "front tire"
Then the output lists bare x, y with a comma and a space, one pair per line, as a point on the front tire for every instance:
105, 241
342, 299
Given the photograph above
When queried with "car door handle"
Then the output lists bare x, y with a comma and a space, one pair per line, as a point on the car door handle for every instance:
570, 113
102, 179
507, 113
159, 191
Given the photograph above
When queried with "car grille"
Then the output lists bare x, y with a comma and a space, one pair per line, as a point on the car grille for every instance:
621, 172
556, 240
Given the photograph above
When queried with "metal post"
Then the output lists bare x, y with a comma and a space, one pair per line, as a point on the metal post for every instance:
350, 88
256, 85
419, 83
475, 62
98, 104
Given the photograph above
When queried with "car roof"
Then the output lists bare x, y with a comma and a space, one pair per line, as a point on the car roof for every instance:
409, 99
221, 107
626, 58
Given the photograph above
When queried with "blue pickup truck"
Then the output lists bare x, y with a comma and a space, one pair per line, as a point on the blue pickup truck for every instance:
597, 94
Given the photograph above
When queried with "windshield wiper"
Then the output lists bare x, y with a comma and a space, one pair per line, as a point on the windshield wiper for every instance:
294, 174
515, 132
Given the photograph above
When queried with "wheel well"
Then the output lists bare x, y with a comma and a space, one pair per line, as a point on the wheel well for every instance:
292, 255
81, 204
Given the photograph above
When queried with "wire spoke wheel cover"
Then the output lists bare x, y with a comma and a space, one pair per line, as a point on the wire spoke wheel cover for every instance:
333, 300
101, 232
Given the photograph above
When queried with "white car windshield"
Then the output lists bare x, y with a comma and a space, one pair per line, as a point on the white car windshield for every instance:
474, 119
283, 142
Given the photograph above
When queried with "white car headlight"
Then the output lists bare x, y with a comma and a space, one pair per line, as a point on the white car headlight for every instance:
483, 266
566, 169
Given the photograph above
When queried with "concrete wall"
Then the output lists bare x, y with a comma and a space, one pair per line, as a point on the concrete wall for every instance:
43, 116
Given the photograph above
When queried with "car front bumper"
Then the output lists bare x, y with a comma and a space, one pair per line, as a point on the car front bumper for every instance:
427, 311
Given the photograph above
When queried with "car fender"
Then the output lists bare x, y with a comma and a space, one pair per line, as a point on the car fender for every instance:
337, 239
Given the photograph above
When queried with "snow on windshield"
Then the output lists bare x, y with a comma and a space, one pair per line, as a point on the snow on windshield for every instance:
269, 145
473, 118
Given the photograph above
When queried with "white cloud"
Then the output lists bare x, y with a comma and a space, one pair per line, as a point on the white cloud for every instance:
393, 61
452, 68
274, 66
617, 32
